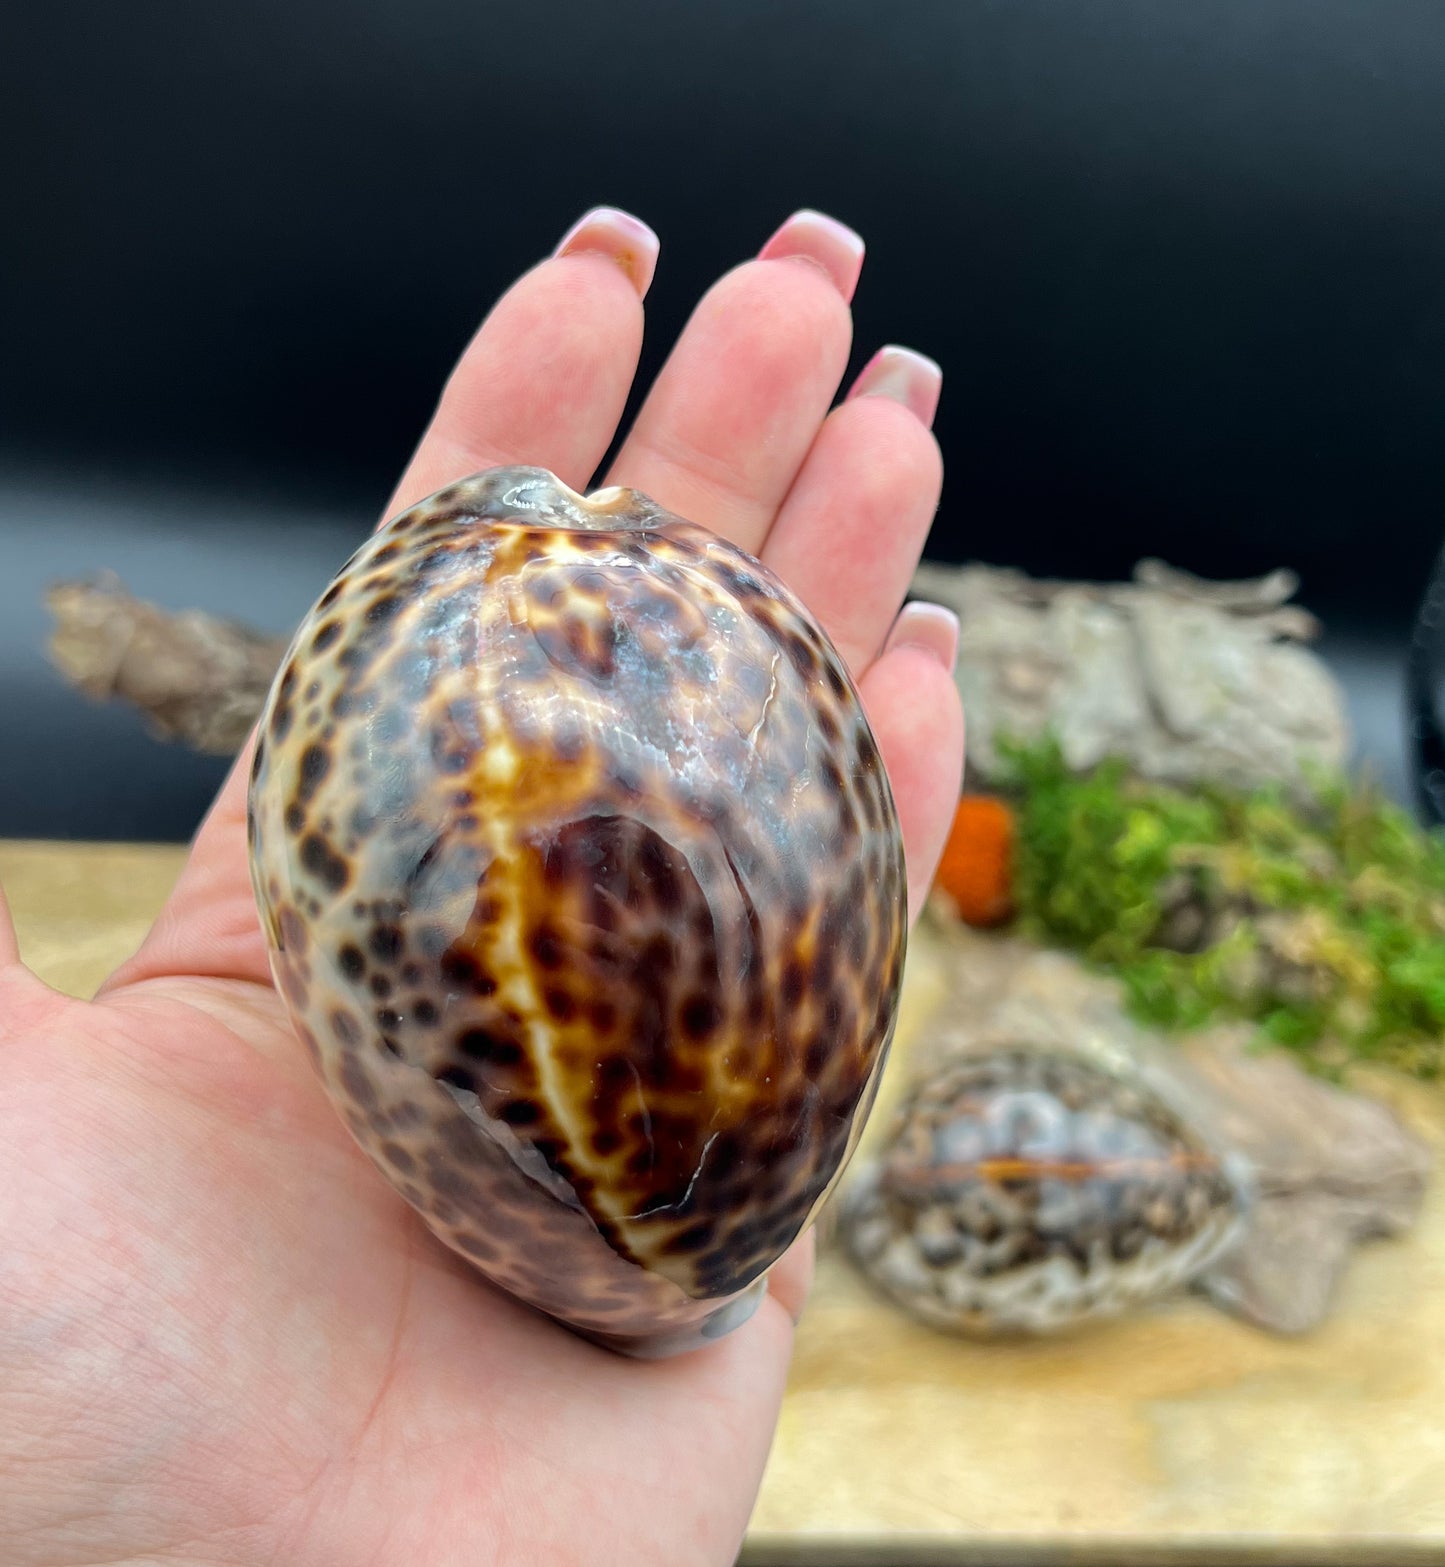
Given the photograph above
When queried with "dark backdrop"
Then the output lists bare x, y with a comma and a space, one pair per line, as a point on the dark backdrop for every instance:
1184, 265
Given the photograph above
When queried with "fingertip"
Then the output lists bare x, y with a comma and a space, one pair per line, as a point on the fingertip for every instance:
618, 236
931, 628
905, 376
824, 242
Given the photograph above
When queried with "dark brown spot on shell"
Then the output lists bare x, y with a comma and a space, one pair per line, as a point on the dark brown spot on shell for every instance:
356, 1082
701, 1016
547, 947
560, 1003
497, 1049
293, 932
315, 764
330, 868
345, 1027
385, 943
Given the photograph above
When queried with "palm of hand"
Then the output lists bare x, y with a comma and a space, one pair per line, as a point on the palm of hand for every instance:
222, 1337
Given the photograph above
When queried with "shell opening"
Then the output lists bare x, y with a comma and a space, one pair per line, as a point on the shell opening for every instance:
533, 495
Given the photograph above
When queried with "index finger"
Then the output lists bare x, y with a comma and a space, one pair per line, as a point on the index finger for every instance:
546, 377
543, 382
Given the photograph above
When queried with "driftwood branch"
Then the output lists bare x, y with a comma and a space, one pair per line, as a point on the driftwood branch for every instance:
1147, 669
196, 678
1254, 593
1185, 679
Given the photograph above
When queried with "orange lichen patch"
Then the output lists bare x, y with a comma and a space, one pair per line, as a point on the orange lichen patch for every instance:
976, 871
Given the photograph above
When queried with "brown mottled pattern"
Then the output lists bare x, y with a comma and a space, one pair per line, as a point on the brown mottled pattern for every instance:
1024, 1190
584, 885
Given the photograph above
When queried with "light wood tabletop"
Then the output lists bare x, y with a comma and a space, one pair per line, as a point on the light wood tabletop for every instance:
1178, 1435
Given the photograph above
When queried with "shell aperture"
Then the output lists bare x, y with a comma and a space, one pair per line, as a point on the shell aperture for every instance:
1026, 1190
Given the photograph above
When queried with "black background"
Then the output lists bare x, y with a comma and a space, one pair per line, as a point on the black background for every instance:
1184, 265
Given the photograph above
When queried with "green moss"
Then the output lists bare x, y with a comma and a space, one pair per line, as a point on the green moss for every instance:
1324, 924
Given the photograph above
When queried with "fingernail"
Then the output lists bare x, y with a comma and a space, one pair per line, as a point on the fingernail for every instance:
609, 231
904, 375
929, 627
827, 243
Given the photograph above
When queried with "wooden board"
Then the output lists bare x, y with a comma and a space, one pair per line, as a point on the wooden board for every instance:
1176, 1436
80, 909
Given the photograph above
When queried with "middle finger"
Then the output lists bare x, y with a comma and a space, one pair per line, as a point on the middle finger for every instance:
738, 403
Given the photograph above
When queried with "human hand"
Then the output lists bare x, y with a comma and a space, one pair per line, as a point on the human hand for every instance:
223, 1338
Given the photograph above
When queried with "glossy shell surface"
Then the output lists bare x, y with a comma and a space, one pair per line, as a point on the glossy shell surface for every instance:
1026, 1191
584, 887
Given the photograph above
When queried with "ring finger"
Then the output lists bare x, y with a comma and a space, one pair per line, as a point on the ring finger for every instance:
851, 530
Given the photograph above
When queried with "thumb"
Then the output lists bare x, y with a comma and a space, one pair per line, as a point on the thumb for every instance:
9, 945
24, 999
